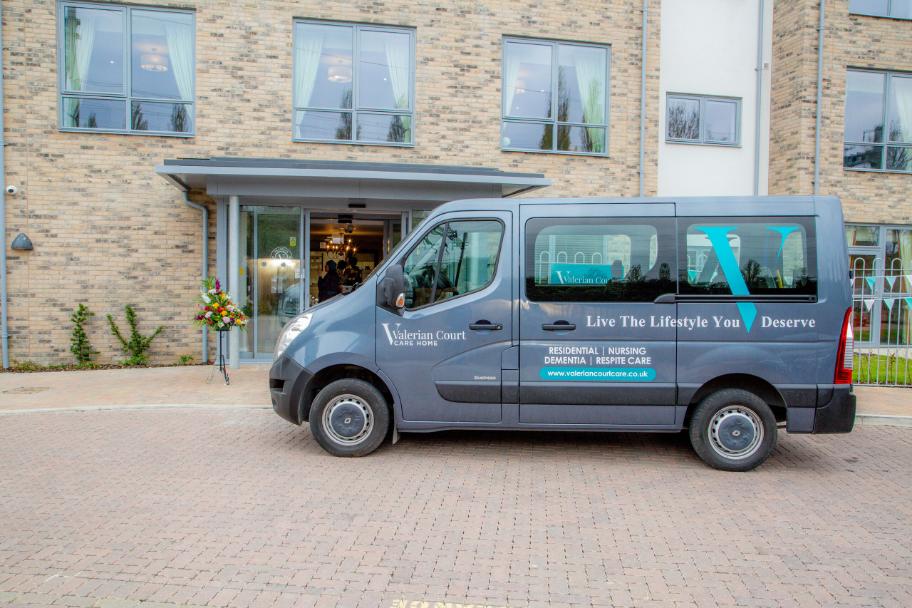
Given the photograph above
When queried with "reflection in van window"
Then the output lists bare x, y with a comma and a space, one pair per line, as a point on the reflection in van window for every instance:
598, 260
764, 257
439, 268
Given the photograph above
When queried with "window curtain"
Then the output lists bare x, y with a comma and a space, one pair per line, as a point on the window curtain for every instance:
307, 63
590, 79
397, 61
80, 42
902, 104
905, 256
179, 36
511, 65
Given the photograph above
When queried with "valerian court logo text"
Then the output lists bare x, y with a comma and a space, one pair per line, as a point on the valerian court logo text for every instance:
416, 337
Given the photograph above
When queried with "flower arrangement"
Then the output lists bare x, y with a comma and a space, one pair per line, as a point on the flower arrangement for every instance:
216, 308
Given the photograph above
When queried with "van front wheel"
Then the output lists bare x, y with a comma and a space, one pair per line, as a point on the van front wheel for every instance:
349, 418
733, 430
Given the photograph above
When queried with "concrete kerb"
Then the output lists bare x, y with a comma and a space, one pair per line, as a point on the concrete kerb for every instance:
882, 420
132, 407
860, 419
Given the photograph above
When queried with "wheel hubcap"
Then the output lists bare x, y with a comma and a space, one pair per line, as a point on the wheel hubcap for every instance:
735, 432
347, 420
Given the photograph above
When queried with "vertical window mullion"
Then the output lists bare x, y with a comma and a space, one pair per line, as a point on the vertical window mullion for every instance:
356, 64
884, 108
128, 67
702, 120
554, 59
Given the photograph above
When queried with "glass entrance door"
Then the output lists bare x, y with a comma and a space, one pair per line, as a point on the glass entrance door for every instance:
273, 277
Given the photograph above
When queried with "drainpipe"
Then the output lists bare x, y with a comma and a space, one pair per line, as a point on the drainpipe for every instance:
4, 322
204, 265
759, 99
820, 29
643, 103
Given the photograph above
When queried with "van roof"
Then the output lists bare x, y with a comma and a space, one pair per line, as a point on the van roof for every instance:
715, 205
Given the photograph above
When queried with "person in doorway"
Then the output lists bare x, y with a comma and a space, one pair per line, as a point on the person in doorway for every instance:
353, 272
342, 268
329, 284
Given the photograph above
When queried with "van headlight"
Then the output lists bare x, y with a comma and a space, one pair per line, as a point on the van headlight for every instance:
291, 331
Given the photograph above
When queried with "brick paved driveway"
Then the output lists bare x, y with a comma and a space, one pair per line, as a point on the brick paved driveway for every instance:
238, 508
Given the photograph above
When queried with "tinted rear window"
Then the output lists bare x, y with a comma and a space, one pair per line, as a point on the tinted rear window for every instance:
748, 256
599, 259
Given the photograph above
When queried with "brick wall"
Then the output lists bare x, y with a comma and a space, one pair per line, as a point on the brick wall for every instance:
851, 41
108, 231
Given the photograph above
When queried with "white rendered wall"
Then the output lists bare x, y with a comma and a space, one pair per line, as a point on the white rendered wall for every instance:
709, 47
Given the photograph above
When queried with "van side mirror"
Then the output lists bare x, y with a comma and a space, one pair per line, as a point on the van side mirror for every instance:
391, 289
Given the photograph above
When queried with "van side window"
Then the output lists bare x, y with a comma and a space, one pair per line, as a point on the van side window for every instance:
453, 259
749, 256
599, 259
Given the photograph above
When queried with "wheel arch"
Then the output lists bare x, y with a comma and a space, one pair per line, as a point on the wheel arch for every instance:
755, 384
337, 371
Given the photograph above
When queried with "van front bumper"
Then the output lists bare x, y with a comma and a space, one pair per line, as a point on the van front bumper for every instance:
287, 380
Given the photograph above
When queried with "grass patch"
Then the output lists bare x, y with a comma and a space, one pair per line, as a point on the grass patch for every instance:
882, 369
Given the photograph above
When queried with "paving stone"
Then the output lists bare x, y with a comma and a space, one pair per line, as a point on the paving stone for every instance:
175, 508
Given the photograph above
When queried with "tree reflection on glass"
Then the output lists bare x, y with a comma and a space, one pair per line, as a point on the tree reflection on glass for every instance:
344, 130
683, 119
179, 120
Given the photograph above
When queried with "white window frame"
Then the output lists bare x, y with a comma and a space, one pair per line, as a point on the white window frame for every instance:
126, 94
357, 28
553, 121
703, 140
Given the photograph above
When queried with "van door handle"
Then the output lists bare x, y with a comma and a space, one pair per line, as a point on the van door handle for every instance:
559, 326
485, 324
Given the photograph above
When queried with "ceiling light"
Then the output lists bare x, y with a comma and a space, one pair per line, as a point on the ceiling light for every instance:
153, 62
339, 73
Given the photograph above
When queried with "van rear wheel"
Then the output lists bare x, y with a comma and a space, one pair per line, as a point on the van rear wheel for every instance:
733, 430
349, 417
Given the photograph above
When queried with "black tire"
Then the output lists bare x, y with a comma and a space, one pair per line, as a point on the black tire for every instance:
349, 417
745, 430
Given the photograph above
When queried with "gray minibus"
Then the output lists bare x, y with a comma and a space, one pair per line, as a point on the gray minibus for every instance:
728, 317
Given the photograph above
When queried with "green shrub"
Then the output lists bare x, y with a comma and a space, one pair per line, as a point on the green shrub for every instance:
185, 360
137, 346
79, 340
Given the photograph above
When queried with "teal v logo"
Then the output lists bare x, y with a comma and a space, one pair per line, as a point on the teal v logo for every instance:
718, 238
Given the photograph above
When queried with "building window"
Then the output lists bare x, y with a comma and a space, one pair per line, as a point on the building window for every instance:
878, 121
126, 69
353, 83
880, 259
898, 9
699, 119
555, 97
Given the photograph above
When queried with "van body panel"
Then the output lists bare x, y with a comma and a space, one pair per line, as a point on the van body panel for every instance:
444, 370
556, 365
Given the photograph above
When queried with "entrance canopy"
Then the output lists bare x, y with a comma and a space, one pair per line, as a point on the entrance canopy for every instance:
344, 184
267, 210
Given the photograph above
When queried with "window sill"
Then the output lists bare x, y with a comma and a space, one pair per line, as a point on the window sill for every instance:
134, 133
558, 152
710, 144
342, 142
891, 171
